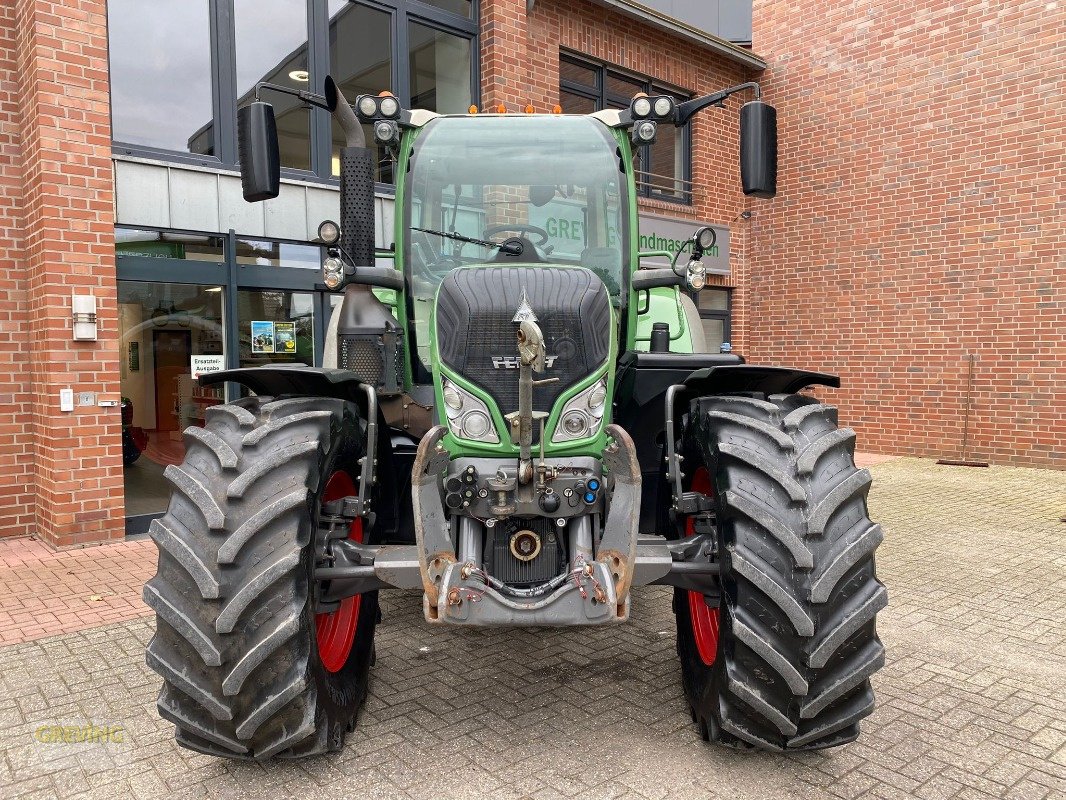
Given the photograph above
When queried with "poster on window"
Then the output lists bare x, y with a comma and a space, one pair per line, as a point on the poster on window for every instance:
262, 336
285, 337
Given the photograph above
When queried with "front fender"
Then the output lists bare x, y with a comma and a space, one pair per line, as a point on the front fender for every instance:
278, 379
753, 378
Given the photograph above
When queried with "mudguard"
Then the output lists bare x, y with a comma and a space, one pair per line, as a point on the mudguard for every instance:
278, 379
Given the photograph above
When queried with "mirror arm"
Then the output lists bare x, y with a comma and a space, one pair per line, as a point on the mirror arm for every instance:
310, 98
686, 110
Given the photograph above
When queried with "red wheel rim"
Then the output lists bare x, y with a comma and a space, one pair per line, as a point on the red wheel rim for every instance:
335, 631
704, 619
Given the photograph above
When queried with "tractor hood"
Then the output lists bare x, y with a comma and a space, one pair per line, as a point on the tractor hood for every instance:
478, 312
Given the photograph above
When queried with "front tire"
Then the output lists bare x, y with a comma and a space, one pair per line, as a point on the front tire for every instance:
795, 639
247, 671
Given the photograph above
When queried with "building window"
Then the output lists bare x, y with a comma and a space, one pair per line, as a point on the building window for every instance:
160, 82
715, 309
272, 48
438, 73
181, 103
663, 169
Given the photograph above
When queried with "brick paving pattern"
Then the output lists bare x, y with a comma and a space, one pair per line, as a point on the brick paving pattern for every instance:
972, 700
44, 592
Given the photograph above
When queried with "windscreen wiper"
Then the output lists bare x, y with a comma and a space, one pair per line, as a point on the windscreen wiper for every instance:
509, 248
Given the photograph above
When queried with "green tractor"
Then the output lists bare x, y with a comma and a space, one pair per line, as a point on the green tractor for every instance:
520, 428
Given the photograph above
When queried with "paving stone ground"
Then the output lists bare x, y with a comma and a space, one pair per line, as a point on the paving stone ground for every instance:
972, 701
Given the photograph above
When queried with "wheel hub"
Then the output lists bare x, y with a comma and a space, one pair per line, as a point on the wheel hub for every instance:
704, 618
335, 631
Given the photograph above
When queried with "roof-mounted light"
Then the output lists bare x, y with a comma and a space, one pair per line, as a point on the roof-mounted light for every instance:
644, 132
663, 107
389, 106
367, 106
329, 232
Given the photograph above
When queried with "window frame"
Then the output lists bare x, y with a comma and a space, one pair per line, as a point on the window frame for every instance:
224, 97
723, 314
603, 98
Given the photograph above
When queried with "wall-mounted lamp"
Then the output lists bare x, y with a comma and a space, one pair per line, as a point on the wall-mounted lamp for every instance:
745, 215
83, 310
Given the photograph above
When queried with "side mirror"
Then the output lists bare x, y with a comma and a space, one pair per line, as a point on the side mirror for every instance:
758, 149
257, 148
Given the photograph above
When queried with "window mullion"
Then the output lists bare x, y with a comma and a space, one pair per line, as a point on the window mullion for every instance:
401, 60
224, 85
318, 66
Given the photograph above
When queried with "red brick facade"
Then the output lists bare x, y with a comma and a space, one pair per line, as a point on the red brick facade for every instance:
920, 219
60, 473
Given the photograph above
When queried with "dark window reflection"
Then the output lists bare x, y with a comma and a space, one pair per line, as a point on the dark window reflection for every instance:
440, 70
623, 87
161, 74
360, 60
575, 103
577, 73
168, 244
271, 38
461, 7
266, 253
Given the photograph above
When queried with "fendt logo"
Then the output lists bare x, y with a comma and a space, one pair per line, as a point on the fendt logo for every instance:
513, 362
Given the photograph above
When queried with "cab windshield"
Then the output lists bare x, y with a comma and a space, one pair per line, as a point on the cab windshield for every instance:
554, 184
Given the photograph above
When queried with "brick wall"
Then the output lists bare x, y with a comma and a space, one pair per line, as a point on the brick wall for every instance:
920, 219
61, 472
16, 451
520, 64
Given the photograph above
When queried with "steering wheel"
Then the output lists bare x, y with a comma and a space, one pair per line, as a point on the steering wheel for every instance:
492, 230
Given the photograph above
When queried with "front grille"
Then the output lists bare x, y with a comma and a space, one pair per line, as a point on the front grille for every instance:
367, 356
551, 560
476, 335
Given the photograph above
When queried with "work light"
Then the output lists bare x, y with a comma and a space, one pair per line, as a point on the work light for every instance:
386, 133
329, 232
389, 107
705, 238
332, 272
368, 106
696, 276
644, 132
664, 107
641, 107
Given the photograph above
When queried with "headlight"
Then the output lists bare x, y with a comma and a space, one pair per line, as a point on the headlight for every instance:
475, 424
641, 107
664, 106
583, 414
468, 416
332, 272
452, 398
389, 107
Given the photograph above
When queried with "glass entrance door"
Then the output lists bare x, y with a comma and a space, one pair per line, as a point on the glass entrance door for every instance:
191, 303
169, 332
